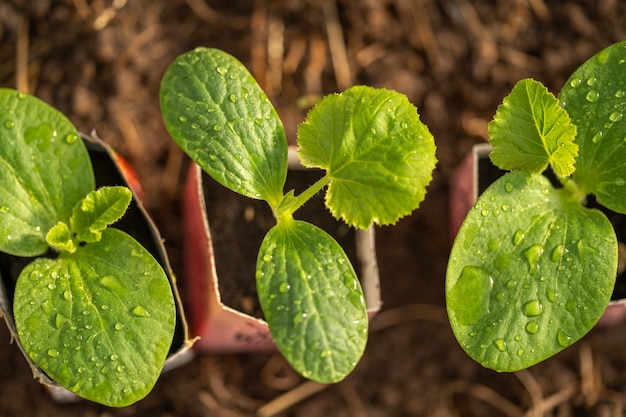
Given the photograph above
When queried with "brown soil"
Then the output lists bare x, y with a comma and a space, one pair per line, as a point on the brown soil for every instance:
100, 62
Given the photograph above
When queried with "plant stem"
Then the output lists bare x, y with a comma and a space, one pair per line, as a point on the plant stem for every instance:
290, 203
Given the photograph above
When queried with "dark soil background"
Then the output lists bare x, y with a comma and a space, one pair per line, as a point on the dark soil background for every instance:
100, 62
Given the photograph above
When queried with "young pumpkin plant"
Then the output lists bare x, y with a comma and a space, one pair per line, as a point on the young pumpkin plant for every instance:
93, 309
377, 157
532, 268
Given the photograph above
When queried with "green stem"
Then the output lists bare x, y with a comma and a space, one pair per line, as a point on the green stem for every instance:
290, 203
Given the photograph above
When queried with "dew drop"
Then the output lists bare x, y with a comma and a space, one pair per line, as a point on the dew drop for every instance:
562, 338
112, 283
284, 287
615, 116
570, 306
470, 295
4, 209
551, 295
259, 274
592, 96
118, 326
53, 353
558, 252
597, 137
182, 119
508, 187
493, 245
575, 82
520, 352
533, 308
584, 249
532, 255
233, 98
71, 138
518, 236
221, 70
9, 124
325, 353
620, 94
267, 257
591, 81
259, 122
503, 261
140, 311
114, 357
500, 344
532, 327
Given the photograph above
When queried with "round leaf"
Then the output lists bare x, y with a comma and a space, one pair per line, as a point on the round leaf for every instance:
45, 171
595, 98
379, 155
99, 321
218, 114
530, 272
530, 130
312, 301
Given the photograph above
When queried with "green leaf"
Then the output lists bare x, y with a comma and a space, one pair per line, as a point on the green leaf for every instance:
60, 238
530, 130
217, 113
312, 301
99, 321
379, 155
45, 171
531, 271
595, 98
98, 210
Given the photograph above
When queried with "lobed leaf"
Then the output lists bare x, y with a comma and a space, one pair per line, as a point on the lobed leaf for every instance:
98, 210
531, 131
312, 301
45, 171
531, 271
99, 321
595, 98
217, 113
377, 152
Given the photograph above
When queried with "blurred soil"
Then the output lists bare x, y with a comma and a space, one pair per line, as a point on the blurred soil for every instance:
100, 62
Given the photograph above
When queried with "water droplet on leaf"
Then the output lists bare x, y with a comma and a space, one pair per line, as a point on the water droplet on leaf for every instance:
532, 255
615, 116
532, 327
470, 295
533, 308
592, 96
500, 344
71, 138
562, 338
140, 311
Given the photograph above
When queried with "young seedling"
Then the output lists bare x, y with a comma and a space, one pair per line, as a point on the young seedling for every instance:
93, 309
532, 268
378, 159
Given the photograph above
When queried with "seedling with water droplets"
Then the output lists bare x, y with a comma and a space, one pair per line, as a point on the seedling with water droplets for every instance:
377, 157
93, 309
533, 267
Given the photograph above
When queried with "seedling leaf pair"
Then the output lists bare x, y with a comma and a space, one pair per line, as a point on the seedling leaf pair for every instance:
98, 316
378, 159
532, 269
